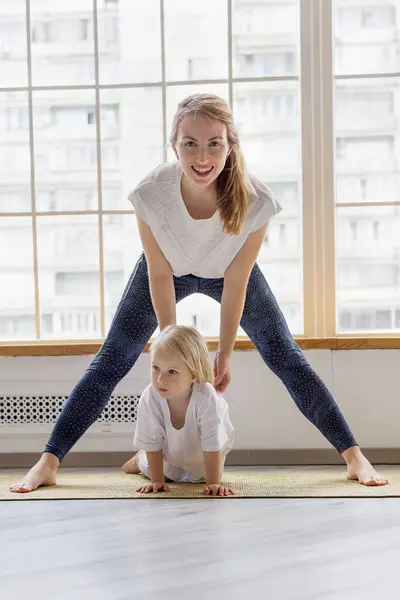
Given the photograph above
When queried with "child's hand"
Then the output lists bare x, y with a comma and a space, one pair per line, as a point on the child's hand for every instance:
154, 486
216, 489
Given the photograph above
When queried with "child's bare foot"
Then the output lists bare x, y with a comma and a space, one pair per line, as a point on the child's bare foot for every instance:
43, 473
359, 468
132, 466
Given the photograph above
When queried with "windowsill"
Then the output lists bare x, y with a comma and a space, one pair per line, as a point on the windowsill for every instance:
77, 347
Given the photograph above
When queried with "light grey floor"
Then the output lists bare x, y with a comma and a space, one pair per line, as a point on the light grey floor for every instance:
200, 549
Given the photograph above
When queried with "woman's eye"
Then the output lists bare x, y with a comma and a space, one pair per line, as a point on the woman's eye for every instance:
214, 143
191, 144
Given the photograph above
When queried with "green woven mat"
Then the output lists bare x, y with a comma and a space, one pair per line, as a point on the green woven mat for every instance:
280, 484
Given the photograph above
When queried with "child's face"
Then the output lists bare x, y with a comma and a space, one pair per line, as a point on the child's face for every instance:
202, 144
170, 375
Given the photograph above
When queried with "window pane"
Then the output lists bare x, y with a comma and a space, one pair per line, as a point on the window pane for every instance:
366, 149
265, 38
132, 122
65, 150
15, 184
365, 37
122, 248
62, 43
69, 285
368, 267
267, 117
13, 65
17, 297
196, 46
129, 41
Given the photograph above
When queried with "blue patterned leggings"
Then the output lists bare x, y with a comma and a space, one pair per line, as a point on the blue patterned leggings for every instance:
135, 322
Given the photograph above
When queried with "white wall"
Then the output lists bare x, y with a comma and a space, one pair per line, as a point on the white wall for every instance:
364, 382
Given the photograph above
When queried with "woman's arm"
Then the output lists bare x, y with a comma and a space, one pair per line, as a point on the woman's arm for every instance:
236, 278
161, 281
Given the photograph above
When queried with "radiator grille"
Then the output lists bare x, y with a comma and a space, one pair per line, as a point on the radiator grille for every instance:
45, 409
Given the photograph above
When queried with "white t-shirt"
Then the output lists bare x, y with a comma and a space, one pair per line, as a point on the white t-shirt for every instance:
195, 246
207, 427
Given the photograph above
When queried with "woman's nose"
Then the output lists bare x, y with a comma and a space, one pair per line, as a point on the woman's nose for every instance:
203, 153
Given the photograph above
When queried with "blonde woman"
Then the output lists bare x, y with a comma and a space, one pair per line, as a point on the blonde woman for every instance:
183, 429
202, 221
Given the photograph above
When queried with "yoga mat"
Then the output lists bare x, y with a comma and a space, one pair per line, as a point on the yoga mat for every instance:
280, 484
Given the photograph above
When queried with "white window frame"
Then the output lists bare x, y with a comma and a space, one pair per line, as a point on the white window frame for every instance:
318, 202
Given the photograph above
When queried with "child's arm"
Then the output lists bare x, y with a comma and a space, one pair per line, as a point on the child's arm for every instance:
212, 465
155, 460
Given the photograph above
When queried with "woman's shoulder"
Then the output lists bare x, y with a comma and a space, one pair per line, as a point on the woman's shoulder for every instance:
163, 174
261, 190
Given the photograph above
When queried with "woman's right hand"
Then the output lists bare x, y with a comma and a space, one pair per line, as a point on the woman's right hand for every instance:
154, 486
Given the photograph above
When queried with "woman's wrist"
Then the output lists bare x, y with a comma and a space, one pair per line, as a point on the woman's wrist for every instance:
225, 351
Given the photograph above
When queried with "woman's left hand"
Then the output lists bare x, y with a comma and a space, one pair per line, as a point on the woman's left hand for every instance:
222, 376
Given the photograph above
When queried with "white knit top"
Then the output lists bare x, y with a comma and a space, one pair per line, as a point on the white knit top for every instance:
194, 246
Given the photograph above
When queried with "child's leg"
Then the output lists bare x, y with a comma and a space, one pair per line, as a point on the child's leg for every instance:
131, 466
139, 464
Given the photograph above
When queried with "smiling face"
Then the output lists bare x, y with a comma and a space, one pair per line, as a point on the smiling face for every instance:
170, 375
202, 149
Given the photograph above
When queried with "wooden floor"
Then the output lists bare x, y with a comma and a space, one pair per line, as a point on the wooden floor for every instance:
200, 549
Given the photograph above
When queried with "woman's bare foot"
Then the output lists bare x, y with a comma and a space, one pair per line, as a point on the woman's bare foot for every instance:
132, 466
359, 468
43, 473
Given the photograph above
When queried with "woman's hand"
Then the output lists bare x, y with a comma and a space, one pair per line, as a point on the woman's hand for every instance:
154, 486
222, 376
216, 489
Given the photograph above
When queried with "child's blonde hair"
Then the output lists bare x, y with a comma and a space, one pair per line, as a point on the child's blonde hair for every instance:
190, 345
233, 186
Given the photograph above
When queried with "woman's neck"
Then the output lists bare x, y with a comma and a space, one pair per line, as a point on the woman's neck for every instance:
193, 194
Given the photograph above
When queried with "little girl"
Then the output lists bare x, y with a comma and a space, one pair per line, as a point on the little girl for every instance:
183, 430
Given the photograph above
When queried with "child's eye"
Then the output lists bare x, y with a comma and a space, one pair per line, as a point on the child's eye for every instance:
155, 368
172, 372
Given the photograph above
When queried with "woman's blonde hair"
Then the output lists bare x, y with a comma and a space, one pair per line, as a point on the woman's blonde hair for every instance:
233, 185
190, 345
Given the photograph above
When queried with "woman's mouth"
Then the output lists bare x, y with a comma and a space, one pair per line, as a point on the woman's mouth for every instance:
202, 172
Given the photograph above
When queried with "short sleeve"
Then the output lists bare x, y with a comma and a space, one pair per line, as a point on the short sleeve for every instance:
212, 426
138, 205
149, 432
269, 206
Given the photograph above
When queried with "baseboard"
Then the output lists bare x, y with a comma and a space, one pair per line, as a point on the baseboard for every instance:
386, 456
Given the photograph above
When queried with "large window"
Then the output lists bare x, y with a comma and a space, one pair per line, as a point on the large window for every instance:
88, 90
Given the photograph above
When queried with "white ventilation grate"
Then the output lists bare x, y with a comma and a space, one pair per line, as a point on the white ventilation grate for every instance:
45, 409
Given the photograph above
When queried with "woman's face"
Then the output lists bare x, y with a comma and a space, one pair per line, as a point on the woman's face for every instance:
202, 149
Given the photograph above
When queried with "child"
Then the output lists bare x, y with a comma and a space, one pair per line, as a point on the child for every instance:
183, 429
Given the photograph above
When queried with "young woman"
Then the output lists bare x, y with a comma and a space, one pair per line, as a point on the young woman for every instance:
201, 221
